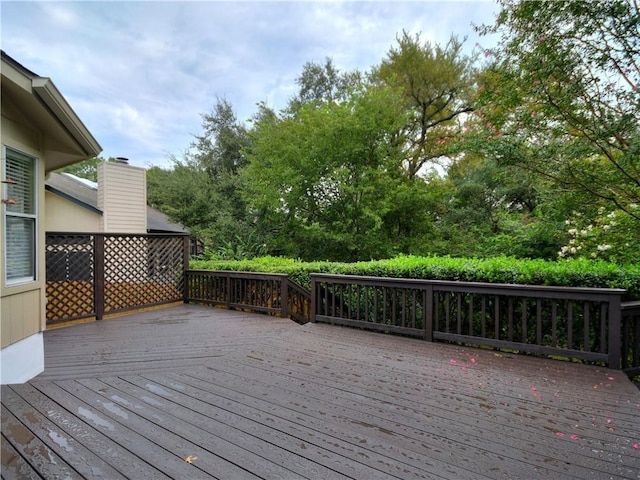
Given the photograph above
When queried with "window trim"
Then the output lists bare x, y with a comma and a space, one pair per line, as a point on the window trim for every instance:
15, 282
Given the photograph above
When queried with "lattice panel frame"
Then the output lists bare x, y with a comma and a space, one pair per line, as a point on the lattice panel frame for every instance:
70, 262
142, 270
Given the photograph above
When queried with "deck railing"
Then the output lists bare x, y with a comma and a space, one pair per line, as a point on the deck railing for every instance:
266, 293
576, 323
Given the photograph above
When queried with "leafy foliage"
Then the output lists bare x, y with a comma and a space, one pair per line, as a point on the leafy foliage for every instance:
570, 273
434, 152
435, 84
323, 177
560, 95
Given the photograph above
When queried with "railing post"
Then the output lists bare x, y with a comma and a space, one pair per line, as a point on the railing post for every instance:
615, 346
98, 275
427, 313
284, 296
314, 298
185, 267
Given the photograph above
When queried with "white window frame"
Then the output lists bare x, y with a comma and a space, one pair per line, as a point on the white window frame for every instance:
6, 151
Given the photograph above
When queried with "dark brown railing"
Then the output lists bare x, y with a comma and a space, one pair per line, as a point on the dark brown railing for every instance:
631, 338
93, 274
267, 293
576, 323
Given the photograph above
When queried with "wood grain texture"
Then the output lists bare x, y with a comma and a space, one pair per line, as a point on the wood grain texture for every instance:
199, 392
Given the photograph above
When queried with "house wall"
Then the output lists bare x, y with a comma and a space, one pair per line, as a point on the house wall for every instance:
65, 216
122, 197
22, 309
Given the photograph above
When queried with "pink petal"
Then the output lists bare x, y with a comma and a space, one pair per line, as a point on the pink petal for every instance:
611, 378
453, 362
609, 421
473, 360
560, 434
636, 446
574, 437
533, 389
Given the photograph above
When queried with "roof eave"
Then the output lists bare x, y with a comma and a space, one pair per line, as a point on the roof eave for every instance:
49, 94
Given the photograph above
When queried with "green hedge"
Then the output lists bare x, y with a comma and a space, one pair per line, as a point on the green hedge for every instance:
570, 273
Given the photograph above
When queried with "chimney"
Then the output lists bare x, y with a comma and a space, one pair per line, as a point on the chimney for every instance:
122, 197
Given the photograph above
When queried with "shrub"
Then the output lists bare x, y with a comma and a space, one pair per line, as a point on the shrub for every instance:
569, 273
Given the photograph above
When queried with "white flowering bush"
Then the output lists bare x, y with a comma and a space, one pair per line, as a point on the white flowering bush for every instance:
613, 236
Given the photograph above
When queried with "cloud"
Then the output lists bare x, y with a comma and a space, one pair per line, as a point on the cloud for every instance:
140, 74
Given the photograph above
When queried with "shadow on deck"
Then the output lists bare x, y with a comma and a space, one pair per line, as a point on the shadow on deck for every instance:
198, 392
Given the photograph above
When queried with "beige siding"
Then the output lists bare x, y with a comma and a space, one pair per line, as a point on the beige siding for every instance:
21, 314
65, 216
122, 198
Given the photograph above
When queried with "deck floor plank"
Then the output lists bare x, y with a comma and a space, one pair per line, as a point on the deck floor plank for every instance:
14, 465
197, 392
35, 451
83, 461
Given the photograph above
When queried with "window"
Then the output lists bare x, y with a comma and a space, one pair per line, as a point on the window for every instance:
19, 201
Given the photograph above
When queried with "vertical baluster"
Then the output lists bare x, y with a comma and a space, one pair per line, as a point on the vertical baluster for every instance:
510, 314
436, 311
539, 321
554, 323
394, 313
375, 305
570, 325
603, 328
367, 290
414, 312
447, 306
586, 342
404, 307
496, 326
524, 326
471, 298
484, 317
459, 313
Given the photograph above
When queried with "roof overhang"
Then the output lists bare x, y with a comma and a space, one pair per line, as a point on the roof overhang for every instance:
66, 140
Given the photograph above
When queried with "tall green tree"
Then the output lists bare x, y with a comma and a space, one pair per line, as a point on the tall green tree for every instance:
321, 179
435, 82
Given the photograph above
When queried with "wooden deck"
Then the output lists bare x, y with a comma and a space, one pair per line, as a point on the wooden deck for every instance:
196, 392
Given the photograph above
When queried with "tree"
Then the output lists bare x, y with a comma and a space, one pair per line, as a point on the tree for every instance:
321, 179
560, 95
321, 84
435, 82
203, 190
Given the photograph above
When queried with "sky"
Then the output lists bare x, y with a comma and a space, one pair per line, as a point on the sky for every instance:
141, 74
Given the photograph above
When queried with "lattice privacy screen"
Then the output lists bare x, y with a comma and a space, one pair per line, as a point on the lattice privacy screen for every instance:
92, 274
